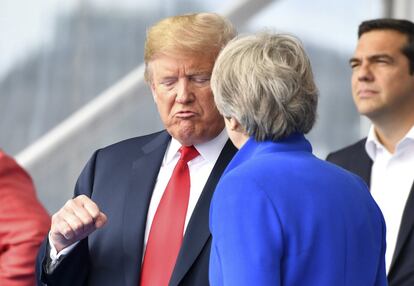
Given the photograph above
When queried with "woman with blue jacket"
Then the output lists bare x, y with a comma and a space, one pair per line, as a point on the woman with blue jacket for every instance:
281, 216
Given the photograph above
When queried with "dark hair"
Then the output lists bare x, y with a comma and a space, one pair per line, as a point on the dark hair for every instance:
403, 26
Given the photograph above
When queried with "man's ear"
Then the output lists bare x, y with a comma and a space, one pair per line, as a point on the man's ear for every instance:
153, 91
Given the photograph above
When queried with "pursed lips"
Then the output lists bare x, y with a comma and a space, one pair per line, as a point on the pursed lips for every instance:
185, 114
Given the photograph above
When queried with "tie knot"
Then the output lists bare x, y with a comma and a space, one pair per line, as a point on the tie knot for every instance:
188, 153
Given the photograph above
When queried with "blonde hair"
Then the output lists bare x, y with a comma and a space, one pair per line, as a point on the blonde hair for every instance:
265, 81
198, 33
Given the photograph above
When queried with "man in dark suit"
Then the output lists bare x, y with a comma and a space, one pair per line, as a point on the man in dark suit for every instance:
140, 211
383, 90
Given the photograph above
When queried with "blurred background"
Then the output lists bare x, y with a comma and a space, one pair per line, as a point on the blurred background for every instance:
71, 74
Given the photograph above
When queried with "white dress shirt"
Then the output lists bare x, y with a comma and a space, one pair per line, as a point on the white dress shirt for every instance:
200, 169
392, 177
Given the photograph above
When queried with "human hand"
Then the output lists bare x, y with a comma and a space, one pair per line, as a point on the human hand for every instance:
78, 218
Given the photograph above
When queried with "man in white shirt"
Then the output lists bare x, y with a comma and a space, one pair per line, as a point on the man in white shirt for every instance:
383, 90
140, 211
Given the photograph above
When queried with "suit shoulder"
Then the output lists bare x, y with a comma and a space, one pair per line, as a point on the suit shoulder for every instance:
346, 152
134, 142
128, 149
122, 153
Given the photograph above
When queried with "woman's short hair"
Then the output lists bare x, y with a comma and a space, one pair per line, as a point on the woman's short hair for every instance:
265, 81
191, 34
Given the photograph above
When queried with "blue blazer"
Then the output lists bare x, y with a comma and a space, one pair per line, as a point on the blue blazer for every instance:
281, 216
120, 179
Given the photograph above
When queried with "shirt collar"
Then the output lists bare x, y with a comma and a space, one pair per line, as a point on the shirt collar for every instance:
372, 145
408, 139
209, 150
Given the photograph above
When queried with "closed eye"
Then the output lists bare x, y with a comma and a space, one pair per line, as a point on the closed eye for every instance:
382, 59
200, 78
353, 63
168, 81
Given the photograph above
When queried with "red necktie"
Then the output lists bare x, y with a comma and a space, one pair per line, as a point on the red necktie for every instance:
167, 228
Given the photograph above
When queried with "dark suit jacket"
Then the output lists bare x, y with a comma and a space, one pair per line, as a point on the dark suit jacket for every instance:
120, 179
355, 159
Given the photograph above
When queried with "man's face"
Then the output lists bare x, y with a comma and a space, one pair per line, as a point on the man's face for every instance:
382, 85
181, 89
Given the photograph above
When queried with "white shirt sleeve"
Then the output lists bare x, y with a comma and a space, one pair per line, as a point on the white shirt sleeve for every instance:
56, 257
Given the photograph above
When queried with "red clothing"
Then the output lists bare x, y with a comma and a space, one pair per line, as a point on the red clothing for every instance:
23, 225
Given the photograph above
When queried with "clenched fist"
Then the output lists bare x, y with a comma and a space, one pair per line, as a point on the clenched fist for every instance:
78, 218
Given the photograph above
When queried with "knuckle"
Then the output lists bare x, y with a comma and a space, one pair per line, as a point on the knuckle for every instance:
88, 220
77, 226
69, 204
65, 230
55, 218
82, 199
94, 214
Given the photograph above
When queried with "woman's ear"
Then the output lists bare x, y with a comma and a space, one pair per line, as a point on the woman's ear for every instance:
235, 132
234, 124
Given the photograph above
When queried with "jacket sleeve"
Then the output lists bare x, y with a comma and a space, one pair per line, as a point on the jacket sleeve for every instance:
72, 269
23, 224
381, 279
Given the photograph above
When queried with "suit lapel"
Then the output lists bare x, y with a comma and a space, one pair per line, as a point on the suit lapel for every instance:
360, 163
144, 172
198, 233
407, 221
363, 163
406, 227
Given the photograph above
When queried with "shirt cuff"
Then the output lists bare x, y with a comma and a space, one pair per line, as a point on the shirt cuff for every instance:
54, 256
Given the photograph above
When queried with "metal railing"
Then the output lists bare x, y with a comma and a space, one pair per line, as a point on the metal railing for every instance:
123, 110
106, 102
